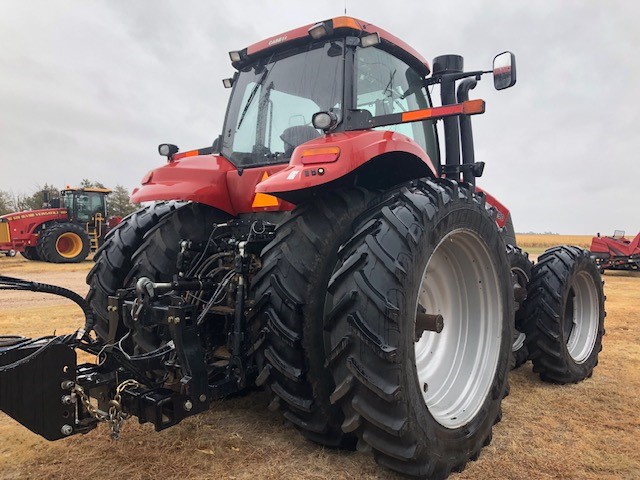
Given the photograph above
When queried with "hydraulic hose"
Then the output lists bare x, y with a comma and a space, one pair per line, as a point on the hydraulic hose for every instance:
10, 283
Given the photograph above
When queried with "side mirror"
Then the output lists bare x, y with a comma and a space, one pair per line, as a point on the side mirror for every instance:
504, 70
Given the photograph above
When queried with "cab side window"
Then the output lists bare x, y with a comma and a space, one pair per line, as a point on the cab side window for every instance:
385, 85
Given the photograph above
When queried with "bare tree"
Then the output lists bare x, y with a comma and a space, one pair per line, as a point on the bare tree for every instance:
5, 202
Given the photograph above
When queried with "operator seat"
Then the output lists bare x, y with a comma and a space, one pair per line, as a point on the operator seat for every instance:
297, 135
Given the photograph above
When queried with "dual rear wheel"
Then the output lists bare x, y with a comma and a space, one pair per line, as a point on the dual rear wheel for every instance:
422, 395
423, 401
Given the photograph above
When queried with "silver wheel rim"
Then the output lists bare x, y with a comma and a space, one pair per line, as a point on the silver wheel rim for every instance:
586, 315
456, 368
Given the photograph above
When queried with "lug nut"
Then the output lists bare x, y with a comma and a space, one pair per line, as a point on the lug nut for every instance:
188, 405
66, 429
203, 398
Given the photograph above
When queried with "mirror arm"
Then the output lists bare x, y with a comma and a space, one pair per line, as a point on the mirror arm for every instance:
456, 76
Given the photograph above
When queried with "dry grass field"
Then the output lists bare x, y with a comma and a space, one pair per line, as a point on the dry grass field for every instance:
585, 431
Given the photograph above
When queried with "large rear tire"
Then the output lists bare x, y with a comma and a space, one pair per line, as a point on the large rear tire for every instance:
425, 402
64, 243
565, 315
294, 277
113, 261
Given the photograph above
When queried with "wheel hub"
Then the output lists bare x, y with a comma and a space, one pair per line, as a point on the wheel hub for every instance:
69, 245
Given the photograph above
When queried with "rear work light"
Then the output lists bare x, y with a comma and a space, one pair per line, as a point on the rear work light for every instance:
320, 155
318, 31
324, 120
370, 40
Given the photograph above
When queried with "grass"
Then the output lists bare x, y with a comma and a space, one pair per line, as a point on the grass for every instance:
584, 431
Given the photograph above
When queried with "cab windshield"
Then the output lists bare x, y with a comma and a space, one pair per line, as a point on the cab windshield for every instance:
273, 101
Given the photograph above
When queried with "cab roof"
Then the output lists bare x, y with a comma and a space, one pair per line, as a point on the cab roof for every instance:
337, 26
87, 189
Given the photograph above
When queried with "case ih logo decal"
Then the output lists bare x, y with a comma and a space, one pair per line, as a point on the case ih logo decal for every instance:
278, 40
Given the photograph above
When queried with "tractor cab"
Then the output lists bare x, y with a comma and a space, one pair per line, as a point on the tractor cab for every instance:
85, 205
335, 68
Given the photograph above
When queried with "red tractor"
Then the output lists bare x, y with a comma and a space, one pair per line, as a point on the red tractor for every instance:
67, 232
616, 252
323, 249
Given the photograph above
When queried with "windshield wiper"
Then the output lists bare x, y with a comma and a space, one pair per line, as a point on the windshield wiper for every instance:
251, 95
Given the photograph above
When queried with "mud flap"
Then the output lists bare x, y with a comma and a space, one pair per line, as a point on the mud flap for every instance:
32, 394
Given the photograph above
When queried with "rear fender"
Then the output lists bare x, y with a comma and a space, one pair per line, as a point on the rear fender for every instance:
502, 212
211, 180
199, 179
356, 150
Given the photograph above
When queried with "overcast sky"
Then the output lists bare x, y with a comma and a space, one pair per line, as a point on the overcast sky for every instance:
88, 89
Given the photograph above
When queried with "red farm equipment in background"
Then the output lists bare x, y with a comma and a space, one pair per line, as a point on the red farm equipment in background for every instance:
616, 252
66, 231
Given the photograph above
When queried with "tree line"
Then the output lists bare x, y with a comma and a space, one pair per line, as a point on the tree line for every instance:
118, 203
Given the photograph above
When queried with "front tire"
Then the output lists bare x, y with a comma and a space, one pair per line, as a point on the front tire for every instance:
565, 315
425, 402
64, 243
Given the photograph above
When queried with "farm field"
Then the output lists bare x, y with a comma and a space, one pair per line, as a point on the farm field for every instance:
584, 431
537, 243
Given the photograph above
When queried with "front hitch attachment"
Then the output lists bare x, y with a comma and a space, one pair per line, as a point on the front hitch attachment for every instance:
35, 388
42, 388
